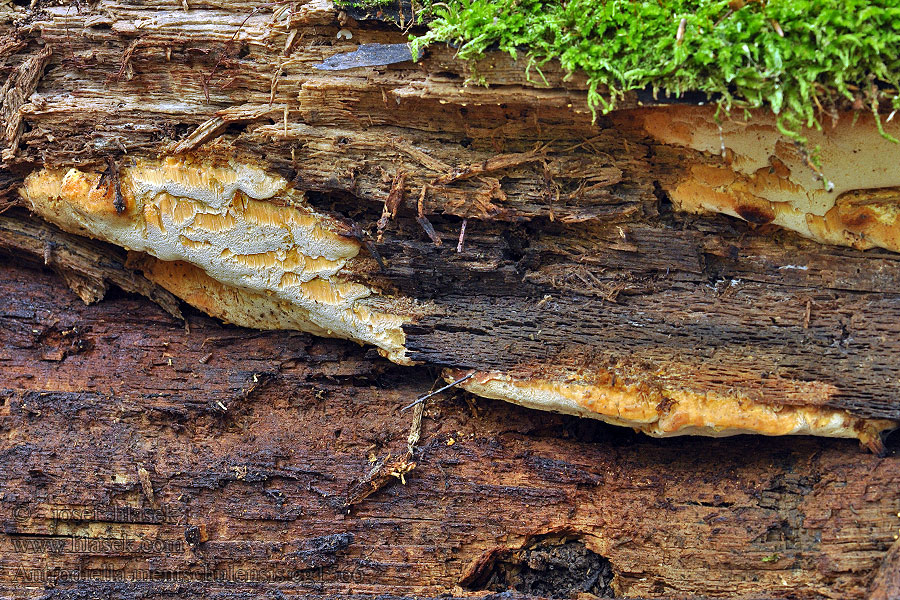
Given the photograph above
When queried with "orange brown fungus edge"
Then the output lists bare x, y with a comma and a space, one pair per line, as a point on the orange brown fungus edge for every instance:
665, 411
243, 246
753, 173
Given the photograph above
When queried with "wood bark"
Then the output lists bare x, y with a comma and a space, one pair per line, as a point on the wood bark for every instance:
286, 455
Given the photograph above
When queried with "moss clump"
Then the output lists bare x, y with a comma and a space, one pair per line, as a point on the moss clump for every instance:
800, 58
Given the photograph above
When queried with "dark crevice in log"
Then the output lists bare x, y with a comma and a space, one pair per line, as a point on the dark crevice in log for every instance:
89, 267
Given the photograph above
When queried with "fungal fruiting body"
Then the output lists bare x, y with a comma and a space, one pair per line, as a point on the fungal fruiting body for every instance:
246, 243
665, 411
243, 245
755, 174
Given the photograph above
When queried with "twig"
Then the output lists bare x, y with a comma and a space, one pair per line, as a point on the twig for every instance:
725, 16
6, 205
423, 220
462, 236
421, 399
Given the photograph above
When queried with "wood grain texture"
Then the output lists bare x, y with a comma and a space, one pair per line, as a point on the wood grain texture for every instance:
251, 442
694, 305
134, 446
88, 267
573, 255
887, 581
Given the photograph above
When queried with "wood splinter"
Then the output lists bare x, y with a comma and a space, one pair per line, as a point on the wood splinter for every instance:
422, 220
462, 236
392, 203
386, 471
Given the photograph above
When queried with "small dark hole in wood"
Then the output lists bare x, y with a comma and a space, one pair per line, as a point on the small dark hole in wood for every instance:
549, 568
892, 443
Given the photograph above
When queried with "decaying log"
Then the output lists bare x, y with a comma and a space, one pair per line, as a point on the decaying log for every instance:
251, 160
88, 267
243, 481
284, 167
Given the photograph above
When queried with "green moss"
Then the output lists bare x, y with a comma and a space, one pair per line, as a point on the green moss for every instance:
799, 58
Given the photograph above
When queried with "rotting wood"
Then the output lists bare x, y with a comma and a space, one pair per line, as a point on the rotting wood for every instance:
886, 584
270, 260
20, 84
600, 262
518, 152
262, 486
87, 266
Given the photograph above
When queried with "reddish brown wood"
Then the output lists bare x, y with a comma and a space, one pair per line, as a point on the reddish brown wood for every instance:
886, 584
91, 396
